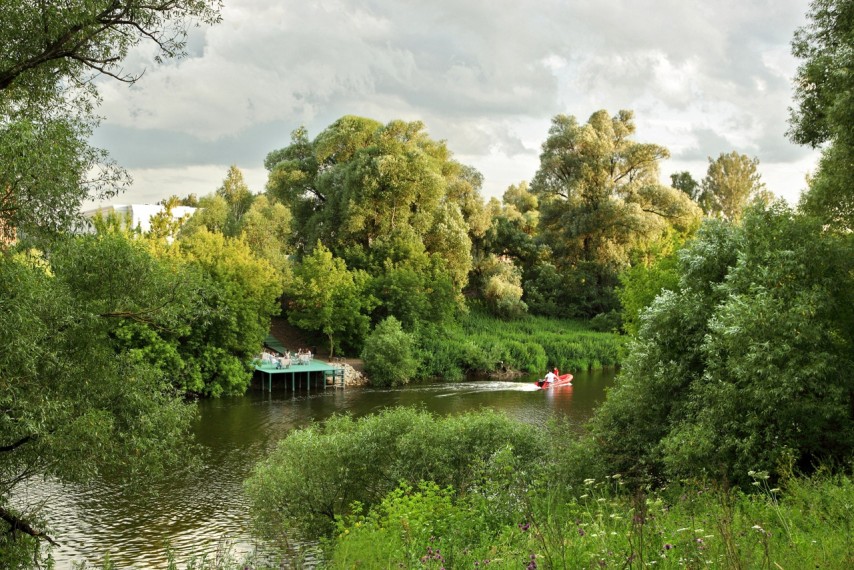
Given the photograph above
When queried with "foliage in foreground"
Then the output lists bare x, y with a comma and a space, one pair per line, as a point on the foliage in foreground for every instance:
747, 364
71, 405
322, 472
402, 489
806, 524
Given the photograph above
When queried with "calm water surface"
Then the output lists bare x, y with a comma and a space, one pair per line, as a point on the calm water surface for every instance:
195, 514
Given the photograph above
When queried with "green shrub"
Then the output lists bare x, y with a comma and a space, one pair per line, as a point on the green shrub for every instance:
389, 354
746, 363
317, 473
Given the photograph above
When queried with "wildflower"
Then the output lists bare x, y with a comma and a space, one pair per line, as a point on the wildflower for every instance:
532, 564
667, 546
589, 481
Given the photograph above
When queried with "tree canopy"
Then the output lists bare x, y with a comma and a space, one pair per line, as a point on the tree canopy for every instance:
325, 296
600, 198
72, 403
731, 183
388, 200
359, 181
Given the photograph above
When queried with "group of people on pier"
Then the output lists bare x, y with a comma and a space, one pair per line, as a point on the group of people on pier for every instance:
303, 356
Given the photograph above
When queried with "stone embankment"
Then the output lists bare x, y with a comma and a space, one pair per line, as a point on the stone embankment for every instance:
353, 377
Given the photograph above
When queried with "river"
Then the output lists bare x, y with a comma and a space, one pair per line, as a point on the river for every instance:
195, 515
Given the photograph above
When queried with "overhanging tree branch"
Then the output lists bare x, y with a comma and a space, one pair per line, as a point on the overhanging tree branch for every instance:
17, 524
17, 444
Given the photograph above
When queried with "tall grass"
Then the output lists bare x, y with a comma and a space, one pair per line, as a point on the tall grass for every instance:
483, 343
807, 525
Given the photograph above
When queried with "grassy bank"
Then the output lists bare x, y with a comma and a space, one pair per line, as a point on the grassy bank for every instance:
805, 525
482, 343
406, 489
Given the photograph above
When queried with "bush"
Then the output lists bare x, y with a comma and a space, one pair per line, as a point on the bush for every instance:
389, 354
317, 473
747, 363
606, 322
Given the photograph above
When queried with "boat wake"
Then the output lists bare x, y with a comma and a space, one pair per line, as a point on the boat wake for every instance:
477, 387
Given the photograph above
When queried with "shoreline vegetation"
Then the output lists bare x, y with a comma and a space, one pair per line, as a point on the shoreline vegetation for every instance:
484, 346
475, 490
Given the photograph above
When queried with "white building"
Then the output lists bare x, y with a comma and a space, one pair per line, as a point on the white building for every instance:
139, 214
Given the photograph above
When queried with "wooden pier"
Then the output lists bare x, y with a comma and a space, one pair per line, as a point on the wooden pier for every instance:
321, 371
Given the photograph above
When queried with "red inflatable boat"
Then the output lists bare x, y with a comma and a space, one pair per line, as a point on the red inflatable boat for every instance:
562, 380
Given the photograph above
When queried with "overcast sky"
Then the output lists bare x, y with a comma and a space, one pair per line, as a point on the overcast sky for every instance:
702, 77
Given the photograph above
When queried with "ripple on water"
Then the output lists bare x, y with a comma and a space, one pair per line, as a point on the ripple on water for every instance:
196, 514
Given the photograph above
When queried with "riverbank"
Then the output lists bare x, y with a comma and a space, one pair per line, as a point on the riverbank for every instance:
483, 346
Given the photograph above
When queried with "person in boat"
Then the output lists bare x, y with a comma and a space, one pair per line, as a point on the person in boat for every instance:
549, 379
557, 374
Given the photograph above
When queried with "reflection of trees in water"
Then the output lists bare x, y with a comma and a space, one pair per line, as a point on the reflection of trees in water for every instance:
194, 511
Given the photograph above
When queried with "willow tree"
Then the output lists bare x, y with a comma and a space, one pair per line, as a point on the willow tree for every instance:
600, 200
383, 198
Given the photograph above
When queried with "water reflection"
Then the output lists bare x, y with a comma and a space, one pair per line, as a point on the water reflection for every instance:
195, 512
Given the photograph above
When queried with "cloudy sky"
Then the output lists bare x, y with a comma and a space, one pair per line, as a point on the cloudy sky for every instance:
702, 76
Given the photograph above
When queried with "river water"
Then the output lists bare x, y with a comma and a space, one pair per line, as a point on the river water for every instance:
205, 512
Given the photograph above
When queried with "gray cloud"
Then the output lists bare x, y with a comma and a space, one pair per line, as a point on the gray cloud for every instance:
480, 74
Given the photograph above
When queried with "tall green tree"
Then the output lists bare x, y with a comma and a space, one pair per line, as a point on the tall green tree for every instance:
684, 182
600, 199
52, 52
509, 253
325, 296
239, 293
237, 195
266, 229
261, 221
745, 365
164, 224
361, 187
824, 111
731, 183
